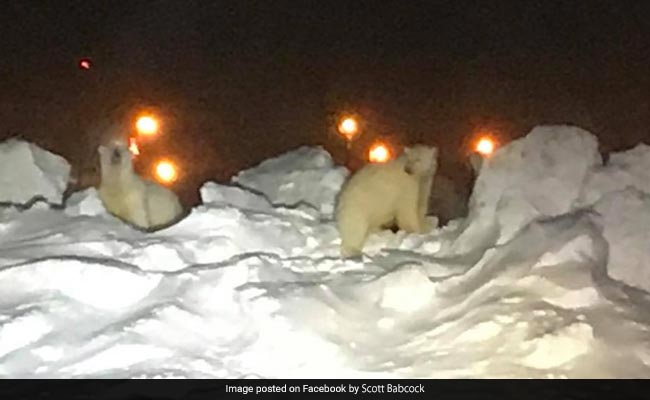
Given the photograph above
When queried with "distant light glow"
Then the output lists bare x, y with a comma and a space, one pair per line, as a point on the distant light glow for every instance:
166, 171
485, 146
147, 125
133, 146
349, 127
379, 153
85, 63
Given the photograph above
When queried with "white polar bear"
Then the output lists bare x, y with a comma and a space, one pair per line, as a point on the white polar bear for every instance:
127, 196
380, 194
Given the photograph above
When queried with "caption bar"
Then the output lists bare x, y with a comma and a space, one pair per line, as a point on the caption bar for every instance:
324, 388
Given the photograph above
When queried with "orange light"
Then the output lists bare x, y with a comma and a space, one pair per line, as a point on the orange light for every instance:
379, 153
166, 171
147, 125
133, 146
485, 146
349, 127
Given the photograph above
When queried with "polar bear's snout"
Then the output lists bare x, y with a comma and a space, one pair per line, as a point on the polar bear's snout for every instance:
116, 156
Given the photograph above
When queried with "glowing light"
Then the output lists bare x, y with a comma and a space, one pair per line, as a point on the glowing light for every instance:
349, 127
485, 146
147, 125
379, 153
85, 63
133, 146
166, 171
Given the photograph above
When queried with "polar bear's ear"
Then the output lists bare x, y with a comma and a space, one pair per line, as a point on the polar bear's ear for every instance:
119, 142
102, 150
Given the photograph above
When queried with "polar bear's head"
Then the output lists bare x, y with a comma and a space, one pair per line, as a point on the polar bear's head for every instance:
420, 160
115, 159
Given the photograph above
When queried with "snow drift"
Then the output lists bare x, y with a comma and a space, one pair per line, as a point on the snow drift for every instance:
620, 192
538, 175
29, 173
306, 176
545, 278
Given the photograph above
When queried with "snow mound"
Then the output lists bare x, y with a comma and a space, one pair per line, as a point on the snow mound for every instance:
305, 176
626, 221
84, 202
243, 287
28, 173
407, 289
624, 169
539, 175
215, 195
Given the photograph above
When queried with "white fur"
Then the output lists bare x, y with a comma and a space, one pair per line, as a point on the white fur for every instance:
127, 196
380, 194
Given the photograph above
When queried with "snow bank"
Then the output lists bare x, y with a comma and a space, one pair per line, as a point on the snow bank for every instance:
216, 195
553, 171
244, 287
84, 202
624, 169
620, 192
305, 176
626, 227
539, 175
28, 172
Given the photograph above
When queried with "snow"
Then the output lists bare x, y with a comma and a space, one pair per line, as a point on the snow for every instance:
538, 175
546, 277
626, 217
29, 173
620, 192
625, 169
306, 176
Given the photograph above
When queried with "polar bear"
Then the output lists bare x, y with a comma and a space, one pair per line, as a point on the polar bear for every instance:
380, 194
127, 196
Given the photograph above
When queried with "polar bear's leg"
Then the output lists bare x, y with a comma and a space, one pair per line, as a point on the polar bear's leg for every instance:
407, 216
423, 202
163, 206
353, 231
138, 214
424, 194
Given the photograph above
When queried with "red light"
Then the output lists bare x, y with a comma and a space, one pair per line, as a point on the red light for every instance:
85, 63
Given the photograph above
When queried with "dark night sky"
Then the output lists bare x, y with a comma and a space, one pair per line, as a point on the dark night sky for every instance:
245, 80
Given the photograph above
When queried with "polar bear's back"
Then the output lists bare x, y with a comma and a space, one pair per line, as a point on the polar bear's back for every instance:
163, 206
374, 191
122, 196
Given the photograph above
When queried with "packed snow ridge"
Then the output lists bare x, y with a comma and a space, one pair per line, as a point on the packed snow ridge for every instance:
29, 173
546, 277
